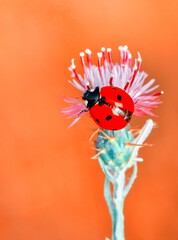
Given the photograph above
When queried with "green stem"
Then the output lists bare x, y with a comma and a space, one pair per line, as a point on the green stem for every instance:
118, 202
131, 181
118, 225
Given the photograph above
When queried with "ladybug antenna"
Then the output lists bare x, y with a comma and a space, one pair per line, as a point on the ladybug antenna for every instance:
84, 110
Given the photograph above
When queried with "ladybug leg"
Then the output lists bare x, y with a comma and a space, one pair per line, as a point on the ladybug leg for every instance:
101, 101
136, 102
84, 110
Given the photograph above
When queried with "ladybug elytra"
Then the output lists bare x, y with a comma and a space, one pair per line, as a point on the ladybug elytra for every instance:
111, 107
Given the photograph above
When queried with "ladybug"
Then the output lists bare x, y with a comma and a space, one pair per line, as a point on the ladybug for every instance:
111, 107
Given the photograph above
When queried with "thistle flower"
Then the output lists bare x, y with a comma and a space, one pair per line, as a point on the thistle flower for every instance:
121, 75
117, 151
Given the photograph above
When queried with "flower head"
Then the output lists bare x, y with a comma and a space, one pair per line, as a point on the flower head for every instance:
122, 75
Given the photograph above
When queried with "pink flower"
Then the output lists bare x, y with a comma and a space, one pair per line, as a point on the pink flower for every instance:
121, 75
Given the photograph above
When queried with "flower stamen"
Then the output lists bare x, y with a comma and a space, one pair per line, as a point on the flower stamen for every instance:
104, 56
158, 94
100, 65
110, 58
111, 81
73, 67
88, 52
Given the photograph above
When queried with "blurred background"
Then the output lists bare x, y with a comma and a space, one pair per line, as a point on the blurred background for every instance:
50, 188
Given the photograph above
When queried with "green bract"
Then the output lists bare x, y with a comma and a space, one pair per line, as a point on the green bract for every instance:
114, 148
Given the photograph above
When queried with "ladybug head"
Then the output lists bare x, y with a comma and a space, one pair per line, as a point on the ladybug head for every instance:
91, 97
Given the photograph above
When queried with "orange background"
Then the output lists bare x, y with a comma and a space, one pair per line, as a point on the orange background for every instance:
49, 186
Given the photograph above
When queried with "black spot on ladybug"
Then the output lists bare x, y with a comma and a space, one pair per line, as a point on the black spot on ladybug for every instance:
114, 88
114, 129
108, 117
119, 97
97, 121
102, 101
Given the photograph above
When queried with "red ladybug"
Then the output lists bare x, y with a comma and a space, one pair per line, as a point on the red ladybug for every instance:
111, 108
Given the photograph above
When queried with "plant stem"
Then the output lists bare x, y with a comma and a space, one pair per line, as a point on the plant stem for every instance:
118, 203
118, 225
115, 201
